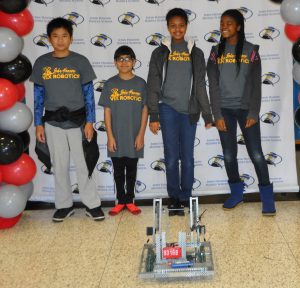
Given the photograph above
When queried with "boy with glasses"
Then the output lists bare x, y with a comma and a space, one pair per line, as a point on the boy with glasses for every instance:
125, 114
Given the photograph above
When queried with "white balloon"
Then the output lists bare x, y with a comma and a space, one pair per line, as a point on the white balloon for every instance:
296, 72
27, 189
290, 11
16, 119
12, 201
11, 45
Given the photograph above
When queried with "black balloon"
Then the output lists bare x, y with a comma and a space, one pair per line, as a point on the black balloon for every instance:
11, 147
25, 138
17, 70
13, 6
296, 50
277, 1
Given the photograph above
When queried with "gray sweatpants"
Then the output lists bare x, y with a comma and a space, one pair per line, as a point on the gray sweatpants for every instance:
62, 144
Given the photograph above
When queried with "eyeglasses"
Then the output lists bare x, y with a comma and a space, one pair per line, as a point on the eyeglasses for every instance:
124, 59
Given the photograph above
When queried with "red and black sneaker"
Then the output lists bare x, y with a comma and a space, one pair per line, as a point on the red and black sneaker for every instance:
61, 214
95, 213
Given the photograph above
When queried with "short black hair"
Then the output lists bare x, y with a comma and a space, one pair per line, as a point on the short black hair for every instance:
124, 50
177, 12
59, 22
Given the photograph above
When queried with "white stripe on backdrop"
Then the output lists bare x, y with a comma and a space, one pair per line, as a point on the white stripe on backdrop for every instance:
98, 31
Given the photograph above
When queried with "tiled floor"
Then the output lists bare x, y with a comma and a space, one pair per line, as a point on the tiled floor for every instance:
249, 250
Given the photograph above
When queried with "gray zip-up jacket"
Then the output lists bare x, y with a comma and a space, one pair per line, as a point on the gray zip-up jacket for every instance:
157, 74
251, 99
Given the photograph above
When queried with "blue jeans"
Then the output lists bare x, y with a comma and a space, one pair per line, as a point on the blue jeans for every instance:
178, 137
253, 145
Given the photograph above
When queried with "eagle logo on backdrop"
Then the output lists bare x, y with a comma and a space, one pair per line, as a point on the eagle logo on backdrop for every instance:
138, 64
101, 40
247, 180
157, 2
247, 13
42, 40
100, 2
155, 39
297, 115
46, 170
206, 82
191, 15
216, 161
159, 165
270, 78
75, 18
196, 183
140, 186
75, 188
98, 86
196, 142
100, 126
105, 167
269, 33
129, 18
270, 117
213, 36
273, 158
240, 139
44, 2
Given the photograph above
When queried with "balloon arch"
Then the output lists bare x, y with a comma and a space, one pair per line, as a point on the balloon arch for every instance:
17, 168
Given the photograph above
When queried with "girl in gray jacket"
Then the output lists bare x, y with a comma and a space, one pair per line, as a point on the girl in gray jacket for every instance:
176, 96
234, 73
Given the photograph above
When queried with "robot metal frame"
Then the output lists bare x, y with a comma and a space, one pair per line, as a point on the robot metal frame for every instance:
190, 257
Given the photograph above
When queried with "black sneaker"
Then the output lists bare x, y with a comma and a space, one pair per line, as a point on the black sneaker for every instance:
180, 208
61, 214
172, 206
95, 213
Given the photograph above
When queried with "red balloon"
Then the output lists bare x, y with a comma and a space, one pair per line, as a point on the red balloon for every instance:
19, 172
8, 94
6, 223
292, 31
21, 23
21, 91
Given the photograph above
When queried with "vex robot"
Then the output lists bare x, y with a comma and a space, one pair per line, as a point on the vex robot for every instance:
189, 257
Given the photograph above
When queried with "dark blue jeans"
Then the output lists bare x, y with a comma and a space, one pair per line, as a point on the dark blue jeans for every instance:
178, 137
253, 144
